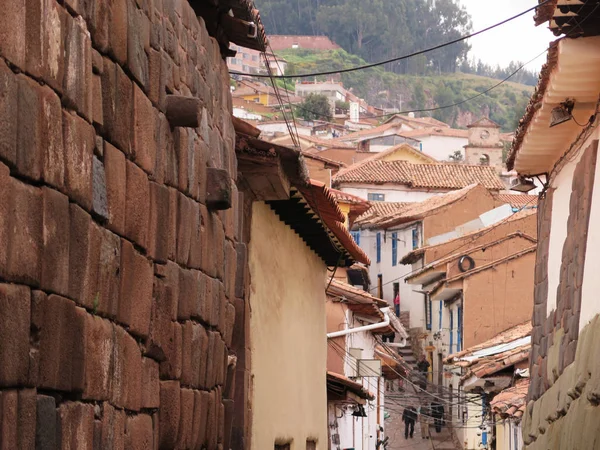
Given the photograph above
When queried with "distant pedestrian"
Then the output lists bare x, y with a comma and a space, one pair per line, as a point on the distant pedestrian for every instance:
397, 303
424, 419
423, 365
437, 412
409, 417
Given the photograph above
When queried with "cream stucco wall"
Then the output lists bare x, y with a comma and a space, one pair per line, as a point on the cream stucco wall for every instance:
393, 192
591, 282
287, 335
561, 199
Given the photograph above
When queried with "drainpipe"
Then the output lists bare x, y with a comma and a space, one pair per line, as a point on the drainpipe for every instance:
373, 326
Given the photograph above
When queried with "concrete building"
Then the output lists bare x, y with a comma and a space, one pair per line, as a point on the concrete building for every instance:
560, 138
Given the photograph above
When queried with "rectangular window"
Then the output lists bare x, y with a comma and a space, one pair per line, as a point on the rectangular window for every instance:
451, 331
378, 244
459, 329
394, 249
356, 236
441, 308
376, 197
282, 447
311, 445
415, 238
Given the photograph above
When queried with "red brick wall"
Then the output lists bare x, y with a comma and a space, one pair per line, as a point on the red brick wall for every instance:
117, 284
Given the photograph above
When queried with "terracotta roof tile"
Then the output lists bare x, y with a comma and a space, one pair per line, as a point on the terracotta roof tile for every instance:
380, 209
519, 200
437, 131
431, 176
511, 402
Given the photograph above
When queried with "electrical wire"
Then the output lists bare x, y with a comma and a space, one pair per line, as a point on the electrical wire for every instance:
399, 58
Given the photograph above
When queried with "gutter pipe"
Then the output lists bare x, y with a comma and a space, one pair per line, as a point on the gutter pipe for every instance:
374, 326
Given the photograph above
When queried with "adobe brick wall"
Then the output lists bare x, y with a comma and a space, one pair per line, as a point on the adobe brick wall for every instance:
119, 289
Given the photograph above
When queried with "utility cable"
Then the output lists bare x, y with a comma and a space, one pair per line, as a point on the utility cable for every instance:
399, 58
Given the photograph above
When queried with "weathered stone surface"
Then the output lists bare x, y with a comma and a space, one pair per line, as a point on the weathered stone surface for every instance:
136, 290
15, 304
99, 197
139, 432
137, 205
9, 95
77, 87
218, 189
29, 129
126, 388
13, 32
79, 141
76, 424
45, 431
116, 190
183, 111
112, 435
150, 384
53, 162
158, 228
117, 104
98, 356
145, 131
170, 401
55, 240
138, 40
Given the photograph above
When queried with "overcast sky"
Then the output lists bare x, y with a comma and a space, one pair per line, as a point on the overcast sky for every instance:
518, 40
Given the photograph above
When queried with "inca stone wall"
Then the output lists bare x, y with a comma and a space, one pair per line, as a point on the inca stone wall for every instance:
117, 283
565, 380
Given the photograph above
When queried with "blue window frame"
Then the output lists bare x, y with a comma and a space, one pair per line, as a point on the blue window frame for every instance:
451, 331
428, 313
415, 238
376, 197
459, 329
394, 249
356, 237
378, 240
441, 308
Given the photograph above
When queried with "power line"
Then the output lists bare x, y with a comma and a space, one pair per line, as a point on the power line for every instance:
399, 58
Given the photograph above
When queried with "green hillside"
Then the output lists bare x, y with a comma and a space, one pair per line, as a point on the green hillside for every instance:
504, 104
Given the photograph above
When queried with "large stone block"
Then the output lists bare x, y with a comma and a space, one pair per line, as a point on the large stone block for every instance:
155, 86
99, 200
145, 131
185, 215
29, 132
112, 435
150, 384
55, 238
53, 161
79, 140
61, 345
170, 368
137, 205
46, 421
139, 432
138, 42
115, 169
117, 105
13, 32
76, 421
97, 16
186, 419
23, 235
9, 95
135, 300
170, 410
109, 274
15, 306
98, 357
9, 419
77, 86
204, 403
158, 228
126, 388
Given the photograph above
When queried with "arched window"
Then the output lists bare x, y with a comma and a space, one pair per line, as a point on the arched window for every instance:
484, 160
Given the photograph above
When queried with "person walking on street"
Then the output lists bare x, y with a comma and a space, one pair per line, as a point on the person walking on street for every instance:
409, 416
424, 419
437, 412
423, 367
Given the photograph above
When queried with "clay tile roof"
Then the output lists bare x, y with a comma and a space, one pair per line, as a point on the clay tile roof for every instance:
419, 210
369, 132
519, 200
407, 148
316, 157
437, 131
378, 210
511, 402
337, 380
430, 176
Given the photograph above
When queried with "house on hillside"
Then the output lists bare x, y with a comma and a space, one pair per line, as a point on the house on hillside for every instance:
410, 122
358, 365
558, 136
490, 380
321, 169
284, 42
264, 94
291, 213
403, 181
402, 227
307, 141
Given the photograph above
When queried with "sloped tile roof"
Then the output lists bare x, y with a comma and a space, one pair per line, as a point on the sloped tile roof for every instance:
405, 147
503, 350
437, 131
431, 176
511, 402
380, 209
519, 200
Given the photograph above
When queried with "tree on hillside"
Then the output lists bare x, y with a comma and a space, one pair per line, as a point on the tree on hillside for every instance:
315, 107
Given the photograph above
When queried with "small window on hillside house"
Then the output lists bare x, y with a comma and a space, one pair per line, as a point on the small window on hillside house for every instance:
415, 238
356, 236
378, 245
282, 447
394, 249
311, 445
376, 197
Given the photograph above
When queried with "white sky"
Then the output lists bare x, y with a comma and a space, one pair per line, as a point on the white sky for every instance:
517, 40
